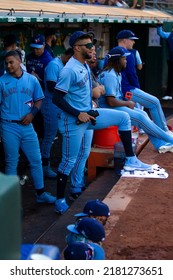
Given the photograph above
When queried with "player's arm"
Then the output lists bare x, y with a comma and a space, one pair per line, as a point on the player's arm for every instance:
34, 110
139, 63
113, 102
58, 100
50, 86
162, 33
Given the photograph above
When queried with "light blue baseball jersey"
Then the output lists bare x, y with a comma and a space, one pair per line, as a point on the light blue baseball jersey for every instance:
76, 83
51, 73
112, 83
18, 95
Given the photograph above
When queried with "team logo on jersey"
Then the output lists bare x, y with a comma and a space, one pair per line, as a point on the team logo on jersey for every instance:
30, 103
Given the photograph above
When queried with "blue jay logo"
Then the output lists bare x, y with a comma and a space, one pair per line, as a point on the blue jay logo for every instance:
30, 103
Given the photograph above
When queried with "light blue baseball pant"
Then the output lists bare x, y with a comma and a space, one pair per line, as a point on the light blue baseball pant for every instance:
16, 136
50, 117
140, 118
77, 173
73, 134
153, 104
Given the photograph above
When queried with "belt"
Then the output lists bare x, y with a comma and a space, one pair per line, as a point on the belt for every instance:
12, 121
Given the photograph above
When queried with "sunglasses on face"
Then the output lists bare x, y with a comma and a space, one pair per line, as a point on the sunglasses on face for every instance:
88, 45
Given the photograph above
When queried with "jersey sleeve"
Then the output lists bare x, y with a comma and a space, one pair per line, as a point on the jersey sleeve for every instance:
162, 33
66, 79
109, 83
52, 71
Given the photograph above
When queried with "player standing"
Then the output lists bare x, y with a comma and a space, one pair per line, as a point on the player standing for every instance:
20, 100
73, 95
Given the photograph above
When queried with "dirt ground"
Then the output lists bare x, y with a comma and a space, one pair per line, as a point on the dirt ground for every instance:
144, 230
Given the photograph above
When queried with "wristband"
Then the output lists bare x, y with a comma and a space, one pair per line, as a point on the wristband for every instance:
34, 110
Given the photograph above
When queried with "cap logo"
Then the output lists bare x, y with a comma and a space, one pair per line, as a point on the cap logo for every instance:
37, 41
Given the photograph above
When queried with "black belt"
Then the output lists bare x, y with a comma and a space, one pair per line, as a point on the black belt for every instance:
12, 121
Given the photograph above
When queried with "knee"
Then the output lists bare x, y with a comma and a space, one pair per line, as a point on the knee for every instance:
156, 101
126, 119
126, 122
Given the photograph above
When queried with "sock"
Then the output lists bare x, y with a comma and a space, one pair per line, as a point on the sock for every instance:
40, 191
126, 138
45, 161
61, 184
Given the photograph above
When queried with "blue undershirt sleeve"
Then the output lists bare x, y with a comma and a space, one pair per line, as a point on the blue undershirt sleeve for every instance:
58, 100
50, 86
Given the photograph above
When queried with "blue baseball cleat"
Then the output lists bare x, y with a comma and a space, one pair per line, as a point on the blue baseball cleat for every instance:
133, 163
61, 206
46, 198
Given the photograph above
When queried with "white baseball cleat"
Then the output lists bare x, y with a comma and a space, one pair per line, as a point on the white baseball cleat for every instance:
166, 148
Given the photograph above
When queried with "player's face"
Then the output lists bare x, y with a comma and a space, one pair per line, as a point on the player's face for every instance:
12, 64
129, 44
123, 63
92, 60
38, 52
85, 47
53, 41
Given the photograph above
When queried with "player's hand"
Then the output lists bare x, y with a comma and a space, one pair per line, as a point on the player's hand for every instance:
130, 104
102, 89
84, 117
26, 120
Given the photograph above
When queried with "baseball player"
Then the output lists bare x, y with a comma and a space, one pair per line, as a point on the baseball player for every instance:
50, 110
20, 100
111, 77
50, 35
36, 61
77, 185
130, 82
73, 95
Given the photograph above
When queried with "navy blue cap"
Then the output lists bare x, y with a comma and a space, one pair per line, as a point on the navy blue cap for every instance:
90, 228
94, 208
126, 34
84, 251
94, 40
78, 35
37, 41
118, 52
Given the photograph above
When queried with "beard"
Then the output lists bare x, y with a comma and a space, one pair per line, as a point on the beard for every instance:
87, 56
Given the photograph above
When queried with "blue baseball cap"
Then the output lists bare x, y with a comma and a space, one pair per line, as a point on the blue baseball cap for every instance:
118, 52
94, 208
126, 34
79, 35
37, 41
90, 228
84, 251
115, 53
